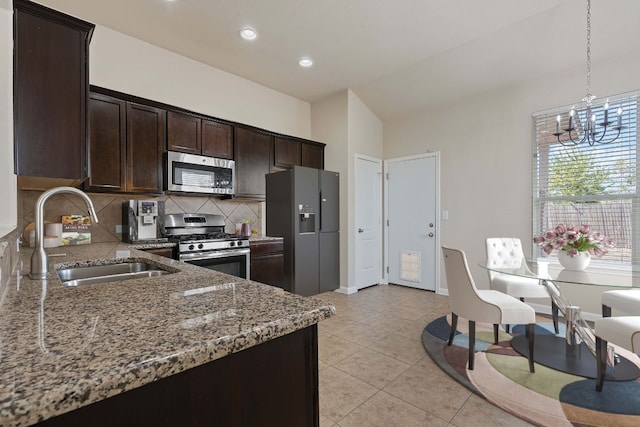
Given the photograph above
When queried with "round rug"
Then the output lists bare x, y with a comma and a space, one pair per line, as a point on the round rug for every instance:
546, 397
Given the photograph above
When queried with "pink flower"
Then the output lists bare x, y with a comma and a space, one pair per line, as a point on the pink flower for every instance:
538, 239
585, 229
572, 252
561, 229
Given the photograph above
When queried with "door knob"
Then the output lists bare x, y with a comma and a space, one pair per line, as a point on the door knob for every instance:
360, 230
430, 234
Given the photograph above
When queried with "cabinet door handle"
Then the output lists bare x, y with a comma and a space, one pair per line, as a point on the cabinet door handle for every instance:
360, 230
430, 234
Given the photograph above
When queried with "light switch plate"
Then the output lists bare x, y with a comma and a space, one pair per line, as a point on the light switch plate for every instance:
445, 215
118, 228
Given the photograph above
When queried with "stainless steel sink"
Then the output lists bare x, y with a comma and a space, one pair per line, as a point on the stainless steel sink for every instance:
86, 275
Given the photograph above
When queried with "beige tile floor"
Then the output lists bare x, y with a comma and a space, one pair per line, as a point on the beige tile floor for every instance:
374, 371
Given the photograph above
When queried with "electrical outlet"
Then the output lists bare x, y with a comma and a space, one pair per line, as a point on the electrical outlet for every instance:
445, 215
119, 229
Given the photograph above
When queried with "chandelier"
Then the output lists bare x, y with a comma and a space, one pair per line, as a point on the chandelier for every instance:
588, 130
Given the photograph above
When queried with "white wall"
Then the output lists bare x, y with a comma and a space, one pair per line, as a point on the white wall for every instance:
486, 145
348, 127
8, 187
126, 64
329, 124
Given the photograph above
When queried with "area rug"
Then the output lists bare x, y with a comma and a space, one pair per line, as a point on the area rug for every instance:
545, 398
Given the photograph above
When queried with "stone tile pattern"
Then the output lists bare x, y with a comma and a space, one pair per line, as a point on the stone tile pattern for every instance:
63, 348
374, 370
109, 210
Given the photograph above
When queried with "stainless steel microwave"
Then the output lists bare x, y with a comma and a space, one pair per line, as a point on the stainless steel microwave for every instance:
190, 173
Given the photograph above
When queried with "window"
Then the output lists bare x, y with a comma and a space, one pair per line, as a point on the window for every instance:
583, 184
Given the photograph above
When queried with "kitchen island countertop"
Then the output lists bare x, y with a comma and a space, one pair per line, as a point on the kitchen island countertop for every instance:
66, 347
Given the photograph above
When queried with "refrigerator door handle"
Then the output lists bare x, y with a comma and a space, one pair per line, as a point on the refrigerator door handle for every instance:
322, 200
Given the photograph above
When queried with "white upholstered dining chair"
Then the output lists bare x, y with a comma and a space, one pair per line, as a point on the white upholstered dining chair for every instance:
625, 300
506, 252
623, 331
487, 306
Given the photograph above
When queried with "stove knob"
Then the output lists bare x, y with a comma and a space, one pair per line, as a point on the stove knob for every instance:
200, 246
232, 243
190, 247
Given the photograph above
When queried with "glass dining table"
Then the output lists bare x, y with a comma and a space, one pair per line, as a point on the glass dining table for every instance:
575, 351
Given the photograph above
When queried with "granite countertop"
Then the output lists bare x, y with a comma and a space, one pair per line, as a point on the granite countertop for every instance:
66, 347
263, 238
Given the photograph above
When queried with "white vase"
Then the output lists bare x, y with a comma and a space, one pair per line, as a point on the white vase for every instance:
575, 263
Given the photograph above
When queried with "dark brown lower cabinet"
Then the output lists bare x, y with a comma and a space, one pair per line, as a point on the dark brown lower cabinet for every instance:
166, 252
271, 384
267, 262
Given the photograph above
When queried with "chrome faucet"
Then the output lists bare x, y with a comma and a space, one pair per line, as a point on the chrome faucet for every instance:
39, 267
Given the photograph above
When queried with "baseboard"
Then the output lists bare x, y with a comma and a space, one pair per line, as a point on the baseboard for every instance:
347, 290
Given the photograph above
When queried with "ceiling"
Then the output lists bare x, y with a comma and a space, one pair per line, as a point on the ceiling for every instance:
398, 56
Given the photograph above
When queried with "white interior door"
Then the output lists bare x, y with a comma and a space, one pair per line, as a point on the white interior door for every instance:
412, 220
368, 221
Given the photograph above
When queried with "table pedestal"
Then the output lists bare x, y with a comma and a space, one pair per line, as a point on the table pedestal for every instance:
555, 353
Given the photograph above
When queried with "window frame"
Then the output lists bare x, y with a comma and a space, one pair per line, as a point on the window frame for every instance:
542, 142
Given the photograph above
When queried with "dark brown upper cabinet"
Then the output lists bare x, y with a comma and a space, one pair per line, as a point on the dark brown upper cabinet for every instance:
187, 133
126, 144
145, 146
253, 161
51, 87
312, 155
287, 152
107, 140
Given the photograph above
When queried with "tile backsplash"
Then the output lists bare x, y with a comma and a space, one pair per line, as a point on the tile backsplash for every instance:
8, 259
109, 210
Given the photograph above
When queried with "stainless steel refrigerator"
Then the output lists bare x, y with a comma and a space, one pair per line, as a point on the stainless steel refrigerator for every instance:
303, 208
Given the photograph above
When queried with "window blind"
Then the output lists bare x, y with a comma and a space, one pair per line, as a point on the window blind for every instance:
584, 184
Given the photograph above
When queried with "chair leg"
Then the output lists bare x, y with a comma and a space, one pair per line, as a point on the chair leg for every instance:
606, 311
530, 334
601, 359
472, 343
454, 326
495, 333
554, 315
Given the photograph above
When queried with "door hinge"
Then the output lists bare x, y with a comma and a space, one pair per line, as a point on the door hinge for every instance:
387, 269
387, 176
387, 223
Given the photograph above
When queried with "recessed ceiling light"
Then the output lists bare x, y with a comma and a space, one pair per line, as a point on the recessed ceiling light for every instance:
248, 33
305, 62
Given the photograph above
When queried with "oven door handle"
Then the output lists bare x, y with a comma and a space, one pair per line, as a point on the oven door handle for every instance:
197, 256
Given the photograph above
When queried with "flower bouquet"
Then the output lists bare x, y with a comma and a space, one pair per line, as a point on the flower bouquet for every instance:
573, 240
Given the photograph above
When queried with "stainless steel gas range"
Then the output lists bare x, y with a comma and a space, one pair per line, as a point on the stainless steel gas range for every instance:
201, 240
